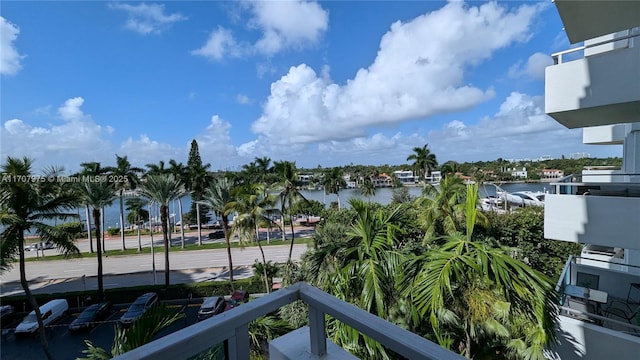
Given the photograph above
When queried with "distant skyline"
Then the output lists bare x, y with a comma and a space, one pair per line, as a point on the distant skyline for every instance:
319, 83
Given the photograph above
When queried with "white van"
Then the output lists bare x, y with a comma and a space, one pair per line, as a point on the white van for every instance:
51, 312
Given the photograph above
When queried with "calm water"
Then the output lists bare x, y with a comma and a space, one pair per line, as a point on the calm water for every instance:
382, 196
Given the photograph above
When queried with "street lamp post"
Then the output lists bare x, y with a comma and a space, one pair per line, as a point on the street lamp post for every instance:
153, 254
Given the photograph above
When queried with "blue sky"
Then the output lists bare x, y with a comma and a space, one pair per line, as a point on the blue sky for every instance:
319, 83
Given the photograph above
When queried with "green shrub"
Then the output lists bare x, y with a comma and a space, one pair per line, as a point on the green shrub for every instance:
113, 231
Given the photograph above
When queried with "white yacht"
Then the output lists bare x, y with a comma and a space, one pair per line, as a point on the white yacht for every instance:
600, 93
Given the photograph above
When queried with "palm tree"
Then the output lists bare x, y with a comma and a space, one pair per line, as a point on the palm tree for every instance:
125, 177
90, 169
27, 205
333, 182
450, 168
440, 205
368, 188
251, 206
162, 189
361, 268
423, 160
137, 214
478, 298
289, 195
97, 195
180, 172
218, 198
155, 169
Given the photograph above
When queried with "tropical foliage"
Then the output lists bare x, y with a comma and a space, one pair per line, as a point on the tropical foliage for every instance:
29, 202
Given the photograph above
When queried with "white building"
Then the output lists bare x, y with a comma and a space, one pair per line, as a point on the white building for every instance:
599, 92
406, 177
522, 173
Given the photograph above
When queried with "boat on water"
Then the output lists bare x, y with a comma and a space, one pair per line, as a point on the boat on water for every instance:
523, 198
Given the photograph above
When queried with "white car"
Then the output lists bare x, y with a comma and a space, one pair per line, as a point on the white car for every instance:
51, 312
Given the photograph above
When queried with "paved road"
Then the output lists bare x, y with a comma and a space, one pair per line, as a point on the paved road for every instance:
187, 266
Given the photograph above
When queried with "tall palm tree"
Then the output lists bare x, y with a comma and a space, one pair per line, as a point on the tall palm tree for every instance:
125, 177
162, 189
333, 182
97, 195
180, 172
251, 205
155, 169
137, 214
289, 195
423, 160
218, 197
27, 205
90, 169
478, 298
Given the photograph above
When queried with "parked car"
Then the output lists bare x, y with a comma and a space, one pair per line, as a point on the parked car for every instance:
237, 298
51, 312
7, 314
32, 247
138, 308
211, 306
39, 246
218, 234
88, 318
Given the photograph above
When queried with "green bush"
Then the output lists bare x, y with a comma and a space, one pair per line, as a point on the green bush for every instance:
113, 231
74, 228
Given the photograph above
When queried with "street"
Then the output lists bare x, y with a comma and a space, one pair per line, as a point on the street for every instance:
120, 271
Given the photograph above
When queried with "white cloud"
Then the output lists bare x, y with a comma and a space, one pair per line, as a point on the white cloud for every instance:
534, 67
9, 56
517, 129
243, 99
147, 18
78, 138
147, 151
283, 24
221, 43
418, 72
286, 24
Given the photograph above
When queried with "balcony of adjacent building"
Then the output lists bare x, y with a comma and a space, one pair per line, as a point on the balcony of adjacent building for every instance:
597, 83
599, 311
227, 336
598, 207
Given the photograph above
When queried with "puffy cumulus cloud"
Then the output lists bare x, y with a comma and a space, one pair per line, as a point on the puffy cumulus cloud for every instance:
78, 138
215, 143
283, 24
9, 56
221, 43
518, 128
418, 72
147, 18
144, 150
287, 24
533, 68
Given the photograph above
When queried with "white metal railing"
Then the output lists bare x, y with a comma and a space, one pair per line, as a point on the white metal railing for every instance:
232, 326
557, 57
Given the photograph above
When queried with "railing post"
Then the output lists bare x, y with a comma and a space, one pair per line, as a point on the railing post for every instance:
317, 331
239, 343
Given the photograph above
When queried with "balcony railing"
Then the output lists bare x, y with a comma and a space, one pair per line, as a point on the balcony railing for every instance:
232, 326
617, 285
558, 57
